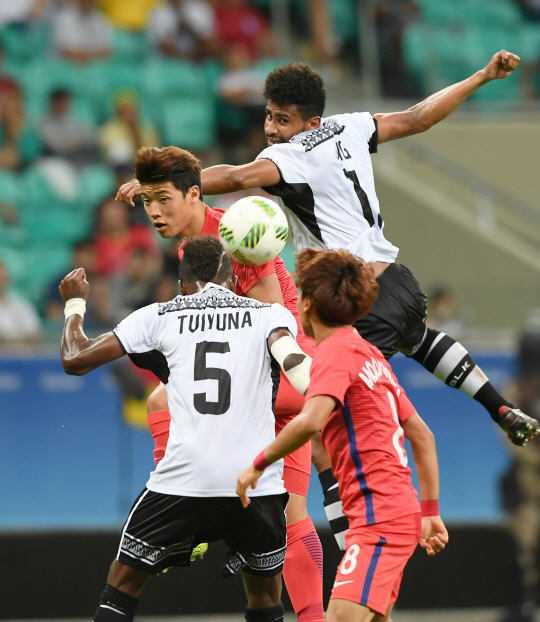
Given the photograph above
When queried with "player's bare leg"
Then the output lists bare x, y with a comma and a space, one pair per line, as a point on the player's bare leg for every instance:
340, 610
118, 601
264, 598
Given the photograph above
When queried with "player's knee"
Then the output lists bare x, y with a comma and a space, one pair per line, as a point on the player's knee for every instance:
319, 455
157, 400
268, 614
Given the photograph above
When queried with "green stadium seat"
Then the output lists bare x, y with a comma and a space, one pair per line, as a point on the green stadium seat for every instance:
344, 14
130, 45
16, 263
441, 11
44, 262
96, 184
488, 14
57, 224
41, 77
106, 79
165, 78
10, 189
23, 45
188, 122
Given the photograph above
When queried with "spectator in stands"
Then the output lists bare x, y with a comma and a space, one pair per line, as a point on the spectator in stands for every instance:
128, 14
124, 134
443, 313
133, 289
239, 22
19, 142
100, 314
84, 256
65, 137
531, 9
22, 12
166, 289
81, 33
115, 238
183, 29
7, 83
521, 484
241, 90
19, 321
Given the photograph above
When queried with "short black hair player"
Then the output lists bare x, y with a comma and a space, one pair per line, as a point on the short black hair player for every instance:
198, 345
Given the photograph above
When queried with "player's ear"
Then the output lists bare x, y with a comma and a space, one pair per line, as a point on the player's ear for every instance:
194, 193
231, 283
182, 287
313, 123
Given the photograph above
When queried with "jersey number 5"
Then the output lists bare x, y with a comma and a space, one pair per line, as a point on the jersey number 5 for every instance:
202, 372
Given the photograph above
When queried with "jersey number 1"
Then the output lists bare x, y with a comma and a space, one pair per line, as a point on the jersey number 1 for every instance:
363, 198
202, 372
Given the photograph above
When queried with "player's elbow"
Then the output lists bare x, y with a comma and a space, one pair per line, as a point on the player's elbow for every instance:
236, 178
74, 366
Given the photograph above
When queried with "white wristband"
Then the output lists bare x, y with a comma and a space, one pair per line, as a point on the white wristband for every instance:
299, 374
75, 305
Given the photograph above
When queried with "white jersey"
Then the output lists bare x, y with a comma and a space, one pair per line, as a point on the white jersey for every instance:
210, 349
327, 187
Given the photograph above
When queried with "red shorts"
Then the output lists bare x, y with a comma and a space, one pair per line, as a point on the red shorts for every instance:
298, 465
375, 557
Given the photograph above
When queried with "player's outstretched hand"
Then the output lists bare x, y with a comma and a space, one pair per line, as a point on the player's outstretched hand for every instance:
501, 65
74, 285
127, 193
247, 479
433, 536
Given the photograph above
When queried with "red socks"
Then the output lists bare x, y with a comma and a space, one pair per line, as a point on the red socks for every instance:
159, 423
303, 570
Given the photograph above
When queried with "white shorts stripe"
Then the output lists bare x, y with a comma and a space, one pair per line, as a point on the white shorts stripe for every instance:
435, 342
128, 519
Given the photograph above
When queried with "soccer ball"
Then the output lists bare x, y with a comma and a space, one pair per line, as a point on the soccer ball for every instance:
253, 230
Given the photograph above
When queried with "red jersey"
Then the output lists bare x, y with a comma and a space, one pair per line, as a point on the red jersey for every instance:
364, 438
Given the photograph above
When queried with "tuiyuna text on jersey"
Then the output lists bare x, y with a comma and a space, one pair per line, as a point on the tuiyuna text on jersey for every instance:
219, 321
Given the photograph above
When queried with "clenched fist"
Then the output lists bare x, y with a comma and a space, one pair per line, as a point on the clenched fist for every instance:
501, 65
74, 285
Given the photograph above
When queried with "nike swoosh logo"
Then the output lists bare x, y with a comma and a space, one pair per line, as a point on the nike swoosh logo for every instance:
338, 583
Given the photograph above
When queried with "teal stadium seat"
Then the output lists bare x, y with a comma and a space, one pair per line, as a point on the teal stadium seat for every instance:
44, 262
106, 79
16, 264
130, 45
189, 122
25, 44
11, 235
166, 78
96, 184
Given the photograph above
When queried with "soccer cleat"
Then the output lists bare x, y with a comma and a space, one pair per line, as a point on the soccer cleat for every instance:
199, 551
519, 426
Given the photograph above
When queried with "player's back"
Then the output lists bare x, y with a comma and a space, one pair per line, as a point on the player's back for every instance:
327, 187
221, 383
364, 438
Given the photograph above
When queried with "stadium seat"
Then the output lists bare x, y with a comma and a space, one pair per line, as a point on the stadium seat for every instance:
16, 263
130, 45
164, 78
106, 79
42, 76
96, 184
44, 262
24, 44
188, 122
494, 13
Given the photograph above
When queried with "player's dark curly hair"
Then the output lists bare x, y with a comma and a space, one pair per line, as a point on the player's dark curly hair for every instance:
297, 83
203, 260
341, 286
157, 165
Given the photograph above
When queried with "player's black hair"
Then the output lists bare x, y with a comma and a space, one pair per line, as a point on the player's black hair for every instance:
297, 83
203, 260
158, 165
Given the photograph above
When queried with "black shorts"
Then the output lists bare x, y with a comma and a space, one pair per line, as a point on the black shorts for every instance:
162, 530
397, 320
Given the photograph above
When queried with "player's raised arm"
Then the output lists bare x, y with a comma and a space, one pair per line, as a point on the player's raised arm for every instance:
225, 178
80, 354
438, 106
295, 434
434, 535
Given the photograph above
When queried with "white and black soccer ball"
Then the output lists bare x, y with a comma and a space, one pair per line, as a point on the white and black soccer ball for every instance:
253, 230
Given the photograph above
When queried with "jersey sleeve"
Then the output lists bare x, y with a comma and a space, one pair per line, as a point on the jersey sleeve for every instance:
367, 126
136, 332
248, 276
280, 317
406, 409
289, 159
330, 372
